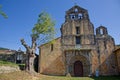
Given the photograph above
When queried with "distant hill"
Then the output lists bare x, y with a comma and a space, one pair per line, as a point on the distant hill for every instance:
6, 51
118, 45
3, 48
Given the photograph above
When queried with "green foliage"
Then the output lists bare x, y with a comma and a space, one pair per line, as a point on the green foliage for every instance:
3, 48
44, 28
2, 13
6, 63
21, 66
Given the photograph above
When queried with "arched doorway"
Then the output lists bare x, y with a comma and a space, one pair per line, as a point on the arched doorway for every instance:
78, 69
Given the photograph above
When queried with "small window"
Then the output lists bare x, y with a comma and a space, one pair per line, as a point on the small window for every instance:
51, 47
77, 30
77, 39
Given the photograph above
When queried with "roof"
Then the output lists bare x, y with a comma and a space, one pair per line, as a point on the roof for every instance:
117, 47
7, 51
49, 42
101, 27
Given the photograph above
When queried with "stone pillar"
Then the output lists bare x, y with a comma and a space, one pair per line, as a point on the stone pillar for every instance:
67, 70
90, 64
67, 64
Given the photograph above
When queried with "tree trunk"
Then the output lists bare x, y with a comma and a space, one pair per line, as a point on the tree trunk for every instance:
30, 55
31, 63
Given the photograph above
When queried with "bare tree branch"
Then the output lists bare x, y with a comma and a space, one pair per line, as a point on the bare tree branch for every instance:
24, 44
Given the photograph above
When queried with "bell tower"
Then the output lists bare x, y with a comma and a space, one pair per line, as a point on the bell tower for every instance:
77, 30
76, 13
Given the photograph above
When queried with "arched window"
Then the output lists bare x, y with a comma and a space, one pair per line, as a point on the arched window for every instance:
101, 31
76, 10
72, 16
79, 16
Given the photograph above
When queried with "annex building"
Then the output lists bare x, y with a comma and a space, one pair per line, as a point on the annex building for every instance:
79, 51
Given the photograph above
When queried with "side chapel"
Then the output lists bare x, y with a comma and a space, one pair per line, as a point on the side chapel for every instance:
79, 51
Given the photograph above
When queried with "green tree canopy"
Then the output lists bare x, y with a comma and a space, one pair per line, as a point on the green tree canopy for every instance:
44, 28
2, 13
44, 31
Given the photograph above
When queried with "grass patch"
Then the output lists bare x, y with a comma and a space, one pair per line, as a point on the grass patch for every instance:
22, 66
43, 77
107, 78
22, 75
6, 63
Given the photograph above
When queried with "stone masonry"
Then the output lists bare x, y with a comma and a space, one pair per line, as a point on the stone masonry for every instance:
79, 51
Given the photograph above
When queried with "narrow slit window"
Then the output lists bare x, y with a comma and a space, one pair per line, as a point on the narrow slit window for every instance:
51, 47
77, 30
77, 39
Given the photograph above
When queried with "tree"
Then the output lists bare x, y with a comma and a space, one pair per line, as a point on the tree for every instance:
2, 13
43, 31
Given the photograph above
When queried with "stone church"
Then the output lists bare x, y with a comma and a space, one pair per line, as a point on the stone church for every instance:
79, 51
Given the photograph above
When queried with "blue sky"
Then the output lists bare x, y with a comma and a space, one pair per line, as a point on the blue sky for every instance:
23, 14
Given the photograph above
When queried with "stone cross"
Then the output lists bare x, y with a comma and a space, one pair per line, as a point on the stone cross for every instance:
75, 2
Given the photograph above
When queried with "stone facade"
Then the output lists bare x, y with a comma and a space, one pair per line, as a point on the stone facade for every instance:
50, 59
106, 46
117, 52
79, 51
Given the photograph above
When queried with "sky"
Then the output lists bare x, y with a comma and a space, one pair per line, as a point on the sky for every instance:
23, 14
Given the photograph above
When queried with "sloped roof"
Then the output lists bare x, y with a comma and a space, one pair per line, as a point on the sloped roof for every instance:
117, 47
49, 42
80, 9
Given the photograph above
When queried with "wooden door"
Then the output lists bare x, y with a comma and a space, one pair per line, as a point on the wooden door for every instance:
78, 69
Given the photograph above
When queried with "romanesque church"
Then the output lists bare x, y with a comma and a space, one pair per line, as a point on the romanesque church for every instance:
79, 51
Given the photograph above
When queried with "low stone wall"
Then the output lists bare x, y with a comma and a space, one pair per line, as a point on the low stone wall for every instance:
8, 69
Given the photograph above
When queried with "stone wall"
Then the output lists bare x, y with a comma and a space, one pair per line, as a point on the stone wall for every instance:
50, 60
106, 46
117, 53
8, 69
94, 62
79, 42
76, 55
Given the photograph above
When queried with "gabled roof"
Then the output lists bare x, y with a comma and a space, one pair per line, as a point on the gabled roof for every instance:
102, 26
72, 10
